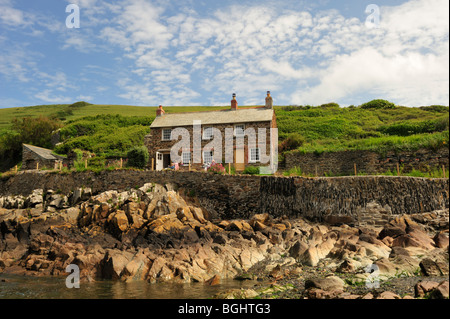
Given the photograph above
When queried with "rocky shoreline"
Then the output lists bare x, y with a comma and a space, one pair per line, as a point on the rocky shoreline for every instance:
156, 233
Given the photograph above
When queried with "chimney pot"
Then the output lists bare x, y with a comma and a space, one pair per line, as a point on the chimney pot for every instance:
269, 101
160, 111
234, 104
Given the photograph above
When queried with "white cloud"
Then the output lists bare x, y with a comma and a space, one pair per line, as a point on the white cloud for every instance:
312, 57
49, 97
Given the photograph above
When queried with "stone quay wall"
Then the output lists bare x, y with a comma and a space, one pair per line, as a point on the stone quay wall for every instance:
343, 163
241, 196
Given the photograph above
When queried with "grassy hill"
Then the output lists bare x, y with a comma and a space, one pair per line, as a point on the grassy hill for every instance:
72, 112
111, 130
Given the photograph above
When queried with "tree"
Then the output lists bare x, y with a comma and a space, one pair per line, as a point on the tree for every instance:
378, 104
36, 131
138, 157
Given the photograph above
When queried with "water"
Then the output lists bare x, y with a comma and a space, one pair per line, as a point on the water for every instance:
25, 287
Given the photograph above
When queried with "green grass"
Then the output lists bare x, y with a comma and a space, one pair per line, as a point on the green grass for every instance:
111, 130
8, 114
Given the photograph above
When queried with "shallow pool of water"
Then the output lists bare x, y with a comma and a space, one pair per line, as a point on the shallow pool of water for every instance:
25, 287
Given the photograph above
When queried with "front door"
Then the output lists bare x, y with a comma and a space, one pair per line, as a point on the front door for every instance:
239, 160
159, 161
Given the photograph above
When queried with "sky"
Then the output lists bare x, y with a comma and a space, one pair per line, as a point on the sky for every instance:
189, 52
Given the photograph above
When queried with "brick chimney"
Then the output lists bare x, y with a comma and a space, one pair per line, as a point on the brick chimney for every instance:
269, 101
160, 111
234, 103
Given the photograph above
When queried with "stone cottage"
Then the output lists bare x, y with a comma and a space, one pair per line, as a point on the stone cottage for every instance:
37, 157
241, 137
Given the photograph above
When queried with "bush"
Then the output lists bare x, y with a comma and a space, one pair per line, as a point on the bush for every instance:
217, 168
36, 131
435, 108
138, 157
330, 105
411, 128
251, 170
378, 104
292, 142
79, 104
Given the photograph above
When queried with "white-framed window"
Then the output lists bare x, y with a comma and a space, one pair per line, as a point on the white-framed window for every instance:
186, 158
239, 130
207, 133
166, 134
208, 157
160, 157
255, 155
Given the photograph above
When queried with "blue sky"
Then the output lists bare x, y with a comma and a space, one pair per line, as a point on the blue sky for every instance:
139, 52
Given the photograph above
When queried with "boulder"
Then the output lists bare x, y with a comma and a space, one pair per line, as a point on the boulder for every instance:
441, 291
197, 213
441, 240
114, 263
433, 268
388, 295
422, 288
327, 284
298, 249
213, 281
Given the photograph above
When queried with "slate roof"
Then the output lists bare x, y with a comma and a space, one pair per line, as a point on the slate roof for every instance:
213, 117
42, 152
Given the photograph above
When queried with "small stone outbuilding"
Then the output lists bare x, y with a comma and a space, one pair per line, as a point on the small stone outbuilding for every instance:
34, 157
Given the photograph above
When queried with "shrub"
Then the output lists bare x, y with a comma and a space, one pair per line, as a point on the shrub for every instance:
217, 168
251, 170
330, 105
292, 142
378, 104
36, 131
79, 104
138, 157
294, 171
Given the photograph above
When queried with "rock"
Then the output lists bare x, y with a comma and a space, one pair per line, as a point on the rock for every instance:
258, 226
239, 225
36, 198
298, 249
310, 257
184, 213
338, 220
391, 231
441, 240
433, 268
263, 219
414, 238
422, 288
368, 296
120, 220
72, 215
215, 280
114, 263
388, 295
136, 269
441, 291
326, 284
198, 214
347, 266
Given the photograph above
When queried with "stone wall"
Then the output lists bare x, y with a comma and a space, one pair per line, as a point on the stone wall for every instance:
225, 196
30, 160
342, 163
154, 142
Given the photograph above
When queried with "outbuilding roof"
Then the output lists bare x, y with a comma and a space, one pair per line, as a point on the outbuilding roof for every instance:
260, 114
42, 152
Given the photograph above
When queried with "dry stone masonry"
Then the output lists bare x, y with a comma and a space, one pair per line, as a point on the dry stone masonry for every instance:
348, 199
